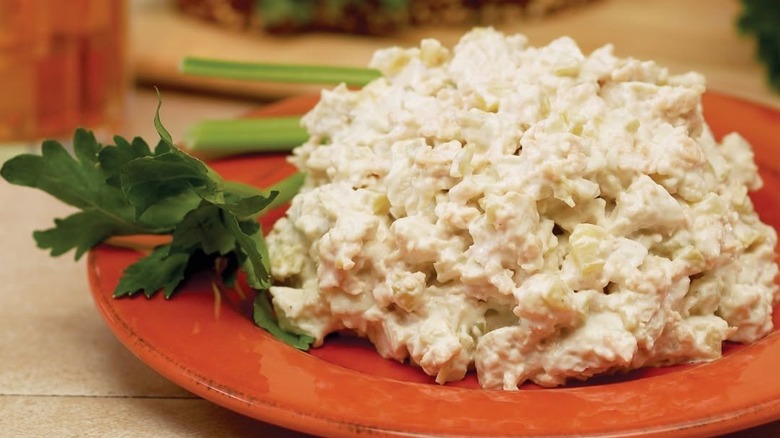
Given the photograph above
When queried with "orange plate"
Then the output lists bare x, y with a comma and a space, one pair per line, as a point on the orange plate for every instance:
211, 347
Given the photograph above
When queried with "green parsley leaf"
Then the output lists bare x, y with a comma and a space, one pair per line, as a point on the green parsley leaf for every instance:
82, 182
128, 188
254, 264
148, 180
160, 270
113, 160
165, 136
222, 223
81, 230
202, 228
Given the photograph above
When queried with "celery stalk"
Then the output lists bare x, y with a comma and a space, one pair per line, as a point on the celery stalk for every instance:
308, 74
287, 189
212, 138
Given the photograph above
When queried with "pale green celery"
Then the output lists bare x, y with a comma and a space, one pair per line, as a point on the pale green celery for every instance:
214, 138
287, 188
307, 74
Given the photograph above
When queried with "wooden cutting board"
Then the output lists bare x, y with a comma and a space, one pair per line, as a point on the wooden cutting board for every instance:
695, 35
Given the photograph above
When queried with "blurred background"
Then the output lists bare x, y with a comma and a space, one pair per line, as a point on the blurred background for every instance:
83, 62
734, 43
702, 35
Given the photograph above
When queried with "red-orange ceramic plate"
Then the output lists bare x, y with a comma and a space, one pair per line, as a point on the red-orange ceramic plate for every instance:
208, 345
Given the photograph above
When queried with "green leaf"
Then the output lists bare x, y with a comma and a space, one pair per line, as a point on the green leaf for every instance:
114, 159
249, 206
80, 231
148, 180
263, 316
79, 181
127, 188
86, 147
168, 213
221, 224
202, 228
254, 264
56, 172
165, 136
160, 270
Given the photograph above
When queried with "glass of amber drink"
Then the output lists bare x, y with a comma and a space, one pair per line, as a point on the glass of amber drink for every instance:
62, 66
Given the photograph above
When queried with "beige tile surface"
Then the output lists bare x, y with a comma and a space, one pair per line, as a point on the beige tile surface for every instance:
92, 416
52, 340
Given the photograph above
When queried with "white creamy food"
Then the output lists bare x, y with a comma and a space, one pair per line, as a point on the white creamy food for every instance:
535, 214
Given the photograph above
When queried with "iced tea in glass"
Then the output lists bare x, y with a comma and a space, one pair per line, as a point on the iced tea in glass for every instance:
62, 65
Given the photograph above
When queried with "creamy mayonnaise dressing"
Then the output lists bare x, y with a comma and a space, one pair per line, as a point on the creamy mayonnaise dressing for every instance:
533, 213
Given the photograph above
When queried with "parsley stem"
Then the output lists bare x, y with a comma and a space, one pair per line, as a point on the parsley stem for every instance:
307, 74
213, 138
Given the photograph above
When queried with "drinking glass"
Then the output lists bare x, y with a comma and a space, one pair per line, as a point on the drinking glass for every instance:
62, 66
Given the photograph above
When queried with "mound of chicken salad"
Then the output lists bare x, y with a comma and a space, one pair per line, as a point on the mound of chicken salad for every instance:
533, 213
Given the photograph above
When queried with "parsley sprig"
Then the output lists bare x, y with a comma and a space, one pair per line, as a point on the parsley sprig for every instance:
129, 188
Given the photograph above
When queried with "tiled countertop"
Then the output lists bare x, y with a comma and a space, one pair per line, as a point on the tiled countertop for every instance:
62, 372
